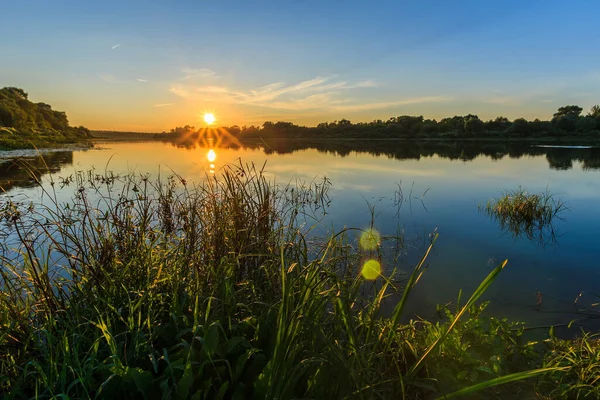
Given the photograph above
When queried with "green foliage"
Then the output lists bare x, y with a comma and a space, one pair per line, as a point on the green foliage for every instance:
162, 290
474, 125
576, 368
567, 122
34, 124
572, 111
586, 125
480, 349
520, 126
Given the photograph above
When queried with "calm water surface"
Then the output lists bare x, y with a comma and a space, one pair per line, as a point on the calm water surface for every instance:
447, 187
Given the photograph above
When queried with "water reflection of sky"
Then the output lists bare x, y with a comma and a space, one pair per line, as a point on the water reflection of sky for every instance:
469, 245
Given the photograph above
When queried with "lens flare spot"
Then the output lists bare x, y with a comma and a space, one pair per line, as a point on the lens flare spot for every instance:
369, 239
371, 270
211, 156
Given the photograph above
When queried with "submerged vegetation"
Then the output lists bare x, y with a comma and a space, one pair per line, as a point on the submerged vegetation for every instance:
526, 214
168, 289
27, 125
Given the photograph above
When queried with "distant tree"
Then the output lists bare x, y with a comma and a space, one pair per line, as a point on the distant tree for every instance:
429, 127
283, 125
410, 124
540, 128
572, 111
250, 130
520, 126
594, 111
456, 123
500, 124
566, 122
234, 130
474, 125
586, 124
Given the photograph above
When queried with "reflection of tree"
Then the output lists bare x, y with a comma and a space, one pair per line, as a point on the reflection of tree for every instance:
592, 161
23, 172
562, 159
403, 149
558, 158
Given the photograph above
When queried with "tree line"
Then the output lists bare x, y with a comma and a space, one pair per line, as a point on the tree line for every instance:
568, 122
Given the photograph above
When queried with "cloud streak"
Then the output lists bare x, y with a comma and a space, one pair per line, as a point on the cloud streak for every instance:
190, 73
319, 93
388, 104
142, 80
116, 46
164, 105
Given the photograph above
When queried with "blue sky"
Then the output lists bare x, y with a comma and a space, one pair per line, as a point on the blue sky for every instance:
151, 65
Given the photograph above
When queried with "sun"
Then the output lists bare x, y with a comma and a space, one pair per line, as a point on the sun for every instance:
209, 118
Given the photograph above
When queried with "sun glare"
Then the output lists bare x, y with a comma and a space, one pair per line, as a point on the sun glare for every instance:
209, 118
211, 156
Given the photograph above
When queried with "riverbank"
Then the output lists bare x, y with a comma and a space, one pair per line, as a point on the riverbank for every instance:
12, 139
209, 290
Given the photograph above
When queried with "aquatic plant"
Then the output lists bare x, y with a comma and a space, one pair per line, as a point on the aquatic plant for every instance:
526, 214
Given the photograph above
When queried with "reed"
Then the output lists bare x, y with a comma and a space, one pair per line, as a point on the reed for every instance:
159, 289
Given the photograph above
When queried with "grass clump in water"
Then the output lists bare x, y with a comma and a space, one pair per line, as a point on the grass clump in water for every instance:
168, 290
526, 214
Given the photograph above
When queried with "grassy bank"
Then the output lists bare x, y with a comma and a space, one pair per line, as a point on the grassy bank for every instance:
12, 139
155, 290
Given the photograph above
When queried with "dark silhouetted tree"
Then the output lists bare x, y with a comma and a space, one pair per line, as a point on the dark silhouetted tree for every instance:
474, 125
572, 111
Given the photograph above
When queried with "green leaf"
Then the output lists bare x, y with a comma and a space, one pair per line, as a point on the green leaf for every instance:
222, 391
142, 380
462, 375
235, 342
498, 381
185, 383
476, 295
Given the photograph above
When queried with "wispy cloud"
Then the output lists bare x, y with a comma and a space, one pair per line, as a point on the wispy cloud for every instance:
142, 80
389, 104
190, 73
316, 94
108, 78
115, 46
163, 105
367, 84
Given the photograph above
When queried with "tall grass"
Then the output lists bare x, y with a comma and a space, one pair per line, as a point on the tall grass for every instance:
163, 289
